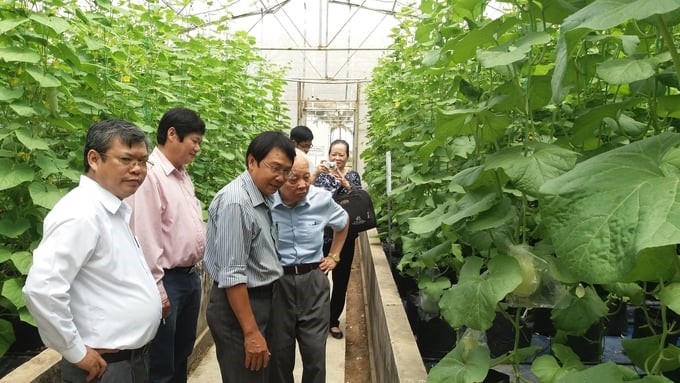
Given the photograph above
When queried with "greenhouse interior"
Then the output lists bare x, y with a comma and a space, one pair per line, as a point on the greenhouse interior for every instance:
520, 160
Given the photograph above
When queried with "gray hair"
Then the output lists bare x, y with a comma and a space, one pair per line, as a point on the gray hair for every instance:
101, 135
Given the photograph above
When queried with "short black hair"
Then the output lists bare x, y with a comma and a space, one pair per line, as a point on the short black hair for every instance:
184, 120
261, 145
301, 133
101, 135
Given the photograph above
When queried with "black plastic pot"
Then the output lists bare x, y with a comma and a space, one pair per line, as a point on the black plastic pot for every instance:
589, 346
435, 338
501, 336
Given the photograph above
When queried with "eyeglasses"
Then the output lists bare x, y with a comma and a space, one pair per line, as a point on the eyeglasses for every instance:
278, 170
129, 161
293, 178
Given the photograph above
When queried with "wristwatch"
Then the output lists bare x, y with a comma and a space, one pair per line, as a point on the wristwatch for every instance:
334, 257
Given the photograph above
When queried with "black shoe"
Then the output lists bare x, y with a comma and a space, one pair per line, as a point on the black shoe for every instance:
336, 334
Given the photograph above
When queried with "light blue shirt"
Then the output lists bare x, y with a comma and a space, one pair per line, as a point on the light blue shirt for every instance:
241, 238
301, 227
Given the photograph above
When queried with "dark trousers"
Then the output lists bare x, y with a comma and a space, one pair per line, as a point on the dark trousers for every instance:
340, 277
135, 370
300, 311
175, 338
228, 336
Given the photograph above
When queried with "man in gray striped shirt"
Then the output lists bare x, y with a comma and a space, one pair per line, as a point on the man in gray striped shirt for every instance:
241, 257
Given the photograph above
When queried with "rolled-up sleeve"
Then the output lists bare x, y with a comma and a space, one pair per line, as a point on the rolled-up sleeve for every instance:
232, 243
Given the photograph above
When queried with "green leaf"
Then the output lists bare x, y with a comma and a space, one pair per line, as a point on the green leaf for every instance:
644, 353
22, 55
587, 122
429, 222
45, 80
22, 261
23, 109
12, 228
547, 370
530, 166
30, 142
11, 289
25, 316
501, 214
45, 195
431, 57
9, 24
567, 357
7, 94
12, 174
93, 44
605, 14
57, 24
473, 202
6, 336
575, 315
462, 366
654, 263
631, 290
606, 210
479, 294
512, 52
624, 71
670, 296
5, 254
668, 106
607, 372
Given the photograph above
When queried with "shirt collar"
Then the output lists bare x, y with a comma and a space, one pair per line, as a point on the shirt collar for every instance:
110, 202
256, 196
159, 159
277, 201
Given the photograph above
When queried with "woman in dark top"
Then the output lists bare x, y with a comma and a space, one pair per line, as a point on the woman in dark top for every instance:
332, 176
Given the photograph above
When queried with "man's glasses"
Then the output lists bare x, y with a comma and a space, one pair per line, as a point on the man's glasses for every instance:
128, 161
294, 178
278, 169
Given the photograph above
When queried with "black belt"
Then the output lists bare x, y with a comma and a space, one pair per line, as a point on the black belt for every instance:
181, 270
124, 355
300, 269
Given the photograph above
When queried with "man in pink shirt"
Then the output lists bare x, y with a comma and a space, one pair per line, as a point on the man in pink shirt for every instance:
167, 220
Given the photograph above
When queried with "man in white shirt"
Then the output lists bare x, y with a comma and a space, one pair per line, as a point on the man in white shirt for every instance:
89, 288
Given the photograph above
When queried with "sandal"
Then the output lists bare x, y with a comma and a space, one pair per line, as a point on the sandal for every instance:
336, 332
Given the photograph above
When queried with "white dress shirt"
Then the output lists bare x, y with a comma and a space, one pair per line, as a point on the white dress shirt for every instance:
89, 283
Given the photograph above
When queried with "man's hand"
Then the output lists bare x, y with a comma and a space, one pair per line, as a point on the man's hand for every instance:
257, 353
327, 264
93, 363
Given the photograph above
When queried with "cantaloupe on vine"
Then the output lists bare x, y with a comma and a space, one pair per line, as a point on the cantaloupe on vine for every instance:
531, 278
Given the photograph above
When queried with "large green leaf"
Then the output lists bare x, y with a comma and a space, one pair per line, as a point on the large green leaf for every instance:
512, 52
607, 209
45, 80
670, 296
15, 54
606, 373
7, 94
462, 365
6, 336
644, 353
22, 261
9, 24
668, 106
57, 24
12, 228
45, 195
31, 142
575, 314
11, 289
624, 71
472, 301
530, 166
13, 174
473, 202
605, 14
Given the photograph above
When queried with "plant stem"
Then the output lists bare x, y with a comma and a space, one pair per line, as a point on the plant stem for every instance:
668, 39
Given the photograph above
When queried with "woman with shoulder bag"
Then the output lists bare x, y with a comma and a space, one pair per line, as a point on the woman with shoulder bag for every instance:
332, 176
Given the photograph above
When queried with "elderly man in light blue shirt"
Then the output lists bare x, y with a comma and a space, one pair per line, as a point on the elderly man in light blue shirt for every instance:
301, 298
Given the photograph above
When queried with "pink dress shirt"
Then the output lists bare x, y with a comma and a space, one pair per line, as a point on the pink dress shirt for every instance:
167, 218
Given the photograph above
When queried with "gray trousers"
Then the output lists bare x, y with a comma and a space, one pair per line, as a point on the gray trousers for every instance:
228, 336
128, 371
300, 311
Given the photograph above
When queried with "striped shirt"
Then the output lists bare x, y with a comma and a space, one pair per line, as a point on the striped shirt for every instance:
241, 238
